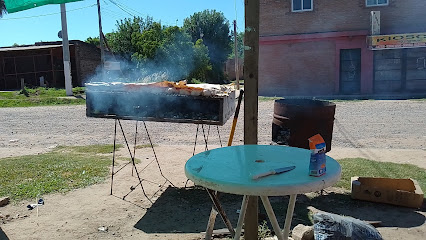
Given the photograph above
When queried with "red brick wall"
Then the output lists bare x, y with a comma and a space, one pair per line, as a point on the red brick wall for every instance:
89, 58
304, 68
400, 16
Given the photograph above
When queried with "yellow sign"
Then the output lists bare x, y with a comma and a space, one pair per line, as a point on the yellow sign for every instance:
409, 40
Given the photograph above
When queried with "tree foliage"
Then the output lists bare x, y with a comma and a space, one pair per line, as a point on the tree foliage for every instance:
95, 41
202, 65
240, 46
128, 29
2, 8
159, 51
198, 50
213, 28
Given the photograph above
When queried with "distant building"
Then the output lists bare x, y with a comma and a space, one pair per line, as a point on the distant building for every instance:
42, 64
229, 69
323, 47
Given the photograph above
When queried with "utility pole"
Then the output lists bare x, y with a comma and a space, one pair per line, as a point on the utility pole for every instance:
237, 69
101, 36
251, 74
66, 51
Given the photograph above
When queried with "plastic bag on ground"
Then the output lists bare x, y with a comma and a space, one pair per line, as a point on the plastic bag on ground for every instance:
328, 226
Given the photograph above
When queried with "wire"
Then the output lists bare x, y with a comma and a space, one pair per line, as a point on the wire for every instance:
124, 8
236, 12
112, 13
129, 8
135, 13
49, 14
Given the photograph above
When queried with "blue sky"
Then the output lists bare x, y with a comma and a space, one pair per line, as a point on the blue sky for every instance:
43, 23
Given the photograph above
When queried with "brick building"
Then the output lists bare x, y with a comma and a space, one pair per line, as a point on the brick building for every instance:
321, 47
43, 63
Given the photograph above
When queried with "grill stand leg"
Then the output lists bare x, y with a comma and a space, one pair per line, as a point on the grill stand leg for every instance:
206, 140
133, 156
133, 163
155, 155
113, 154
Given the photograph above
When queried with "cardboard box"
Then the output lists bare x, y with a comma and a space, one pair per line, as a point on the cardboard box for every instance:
401, 192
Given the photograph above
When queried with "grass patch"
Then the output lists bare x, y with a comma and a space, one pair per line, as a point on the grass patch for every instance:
40, 97
368, 168
265, 99
63, 169
91, 149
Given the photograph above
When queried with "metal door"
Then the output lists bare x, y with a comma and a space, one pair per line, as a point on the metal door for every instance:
350, 71
415, 80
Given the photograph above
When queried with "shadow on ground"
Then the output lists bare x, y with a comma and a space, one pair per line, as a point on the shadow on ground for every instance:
186, 210
3, 235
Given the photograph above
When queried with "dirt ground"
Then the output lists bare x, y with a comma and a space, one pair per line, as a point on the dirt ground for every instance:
164, 209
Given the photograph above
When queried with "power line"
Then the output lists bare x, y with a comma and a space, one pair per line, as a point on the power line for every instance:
112, 13
122, 8
128, 8
48, 14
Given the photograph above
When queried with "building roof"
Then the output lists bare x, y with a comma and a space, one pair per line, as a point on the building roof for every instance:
7, 49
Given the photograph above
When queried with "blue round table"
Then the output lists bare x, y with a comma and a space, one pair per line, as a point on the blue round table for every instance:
231, 170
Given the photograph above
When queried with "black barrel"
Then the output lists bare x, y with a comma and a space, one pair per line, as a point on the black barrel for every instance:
296, 120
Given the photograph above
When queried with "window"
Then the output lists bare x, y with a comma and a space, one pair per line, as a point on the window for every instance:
302, 5
372, 3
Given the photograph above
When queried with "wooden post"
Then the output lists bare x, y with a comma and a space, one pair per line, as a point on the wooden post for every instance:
251, 59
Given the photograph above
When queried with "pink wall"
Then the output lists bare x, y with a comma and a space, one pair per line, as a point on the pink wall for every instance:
341, 40
366, 61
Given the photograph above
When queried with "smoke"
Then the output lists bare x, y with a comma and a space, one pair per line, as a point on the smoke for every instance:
144, 71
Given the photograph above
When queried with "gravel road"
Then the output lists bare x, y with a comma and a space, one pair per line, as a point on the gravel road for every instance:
359, 124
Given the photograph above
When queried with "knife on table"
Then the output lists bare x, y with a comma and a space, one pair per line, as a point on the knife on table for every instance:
273, 172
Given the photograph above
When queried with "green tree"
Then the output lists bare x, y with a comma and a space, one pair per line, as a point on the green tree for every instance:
121, 40
213, 28
202, 66
240, 46
95, 41
2, 8
176, 52
158, 51
147, 42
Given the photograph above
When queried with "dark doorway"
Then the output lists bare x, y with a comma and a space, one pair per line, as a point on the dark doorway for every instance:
350, 71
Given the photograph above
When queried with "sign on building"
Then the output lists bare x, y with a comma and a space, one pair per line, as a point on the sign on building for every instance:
409, 40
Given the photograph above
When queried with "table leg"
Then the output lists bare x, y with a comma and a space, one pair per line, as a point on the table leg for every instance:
210, 224
220, 210
272, 217
289, 216
241, 218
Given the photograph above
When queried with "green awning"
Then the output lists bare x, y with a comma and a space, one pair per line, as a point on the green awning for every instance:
20, 5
